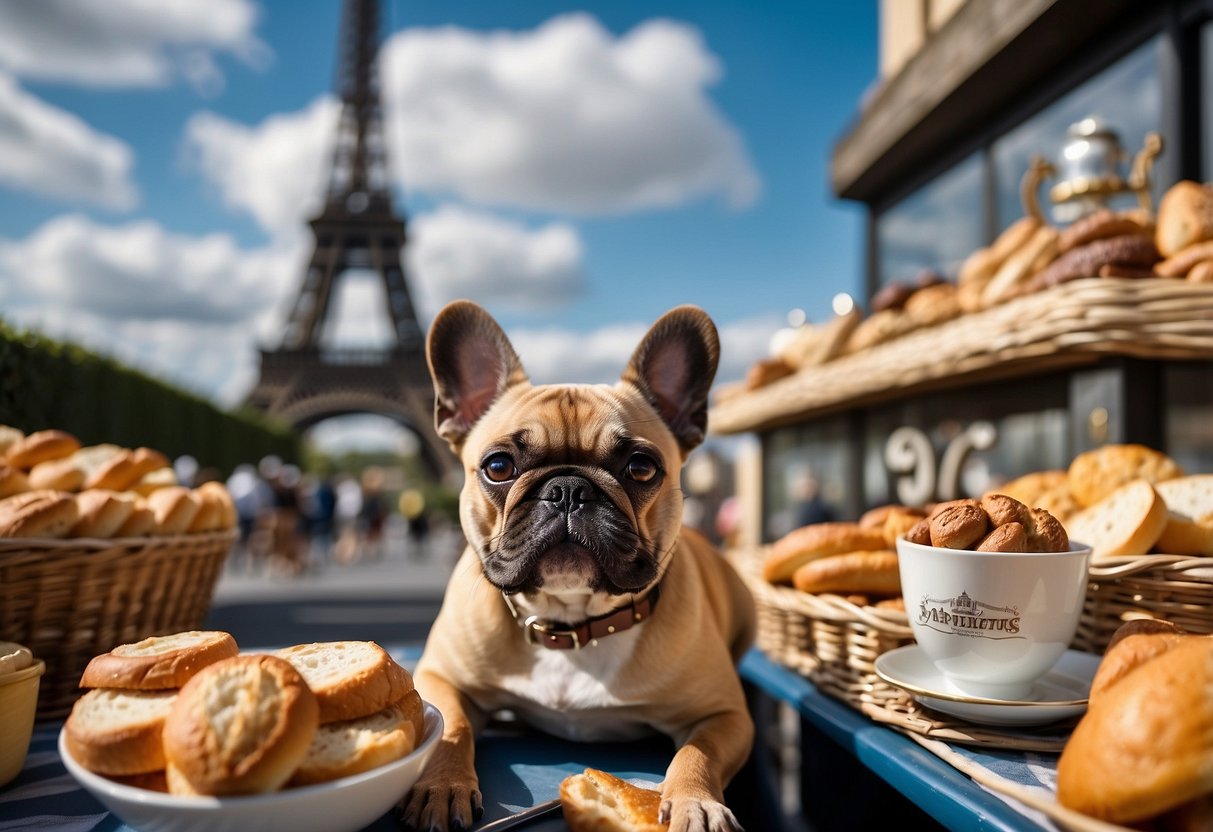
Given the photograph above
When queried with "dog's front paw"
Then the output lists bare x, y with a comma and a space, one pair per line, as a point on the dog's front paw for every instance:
441, 803
696, 814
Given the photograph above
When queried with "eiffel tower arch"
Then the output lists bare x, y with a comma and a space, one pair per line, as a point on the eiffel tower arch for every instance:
302, 381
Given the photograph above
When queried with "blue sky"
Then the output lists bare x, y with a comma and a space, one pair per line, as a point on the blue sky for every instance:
695, 172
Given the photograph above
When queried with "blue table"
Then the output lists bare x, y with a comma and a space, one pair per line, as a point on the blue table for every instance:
520, 768
937, 788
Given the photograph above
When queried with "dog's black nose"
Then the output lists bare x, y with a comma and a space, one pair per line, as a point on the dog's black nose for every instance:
568, 494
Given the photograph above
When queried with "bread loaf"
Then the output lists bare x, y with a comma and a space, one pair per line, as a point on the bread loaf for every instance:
819, 540
595, 801
872, 573
56, 475
1095, 474
159, 662
119, 731
12, 481
351, 679
48, 514
101, 514
1145, 746
175, 508
9, 436
981, 265
240, 726
42, 446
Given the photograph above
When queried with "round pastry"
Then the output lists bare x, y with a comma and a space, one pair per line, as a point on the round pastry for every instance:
158, 662
819, 540
102, 514
1003, 509
1185, 216
933, 305
240, 726
1008, 537
119, 731
920, 532
959, 527
42, 446
48, 514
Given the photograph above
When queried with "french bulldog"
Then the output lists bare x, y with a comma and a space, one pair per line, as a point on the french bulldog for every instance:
580, 603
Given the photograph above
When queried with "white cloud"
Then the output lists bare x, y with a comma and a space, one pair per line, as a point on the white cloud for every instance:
275, 170
186, 308
460, 253
127, 43
53, 153
567, 117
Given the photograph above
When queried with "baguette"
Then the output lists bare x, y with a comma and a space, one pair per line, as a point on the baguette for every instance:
808, 543
871, 573
42, 446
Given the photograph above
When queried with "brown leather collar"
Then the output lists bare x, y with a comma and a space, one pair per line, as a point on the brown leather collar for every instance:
561, 636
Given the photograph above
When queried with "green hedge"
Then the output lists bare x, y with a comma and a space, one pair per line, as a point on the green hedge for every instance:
47, 384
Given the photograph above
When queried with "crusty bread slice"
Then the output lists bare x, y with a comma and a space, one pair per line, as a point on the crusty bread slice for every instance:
159, 662
1189, 529
241, 726
351, 679
595, 801
1127, 522
119, 731
341, 749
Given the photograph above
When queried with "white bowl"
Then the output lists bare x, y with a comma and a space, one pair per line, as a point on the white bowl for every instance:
347, 804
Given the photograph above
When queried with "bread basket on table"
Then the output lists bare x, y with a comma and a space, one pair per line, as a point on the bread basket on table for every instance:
69, 600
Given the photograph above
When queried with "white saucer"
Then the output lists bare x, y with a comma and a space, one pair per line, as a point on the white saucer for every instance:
1059, 694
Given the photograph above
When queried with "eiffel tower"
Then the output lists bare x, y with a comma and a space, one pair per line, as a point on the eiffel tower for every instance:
301, 381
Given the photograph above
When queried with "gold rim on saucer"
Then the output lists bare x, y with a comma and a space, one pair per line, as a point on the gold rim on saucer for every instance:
917, 690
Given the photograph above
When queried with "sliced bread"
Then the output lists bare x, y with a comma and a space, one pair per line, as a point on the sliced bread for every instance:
341, 749
1127, 522
119, 731
351, 679
241, 726
1189, 529
159, 662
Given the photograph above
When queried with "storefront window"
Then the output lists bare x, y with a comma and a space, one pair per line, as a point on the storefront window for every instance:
1189, 416
1206, 65
936, 227
1126, 96
805, 476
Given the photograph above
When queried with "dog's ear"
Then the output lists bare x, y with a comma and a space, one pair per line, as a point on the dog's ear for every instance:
472, 363
673, 367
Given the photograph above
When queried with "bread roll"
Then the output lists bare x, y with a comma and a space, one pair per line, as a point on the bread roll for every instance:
1202, 272
1128, 654
595, 801
873, 573
1185, 216
1146, 745
1128, 522
1012, 277
12, 481
981, 266
959, 527
1101, 225
14, 657
175, 508
119, 731
9, 436
45, 514
126, 468
158, 662
351, 679
153, 482
101, 514
57, 475
341, 749
819, 540
216, 493
1182, 262
141, 523
241, 726
42, 446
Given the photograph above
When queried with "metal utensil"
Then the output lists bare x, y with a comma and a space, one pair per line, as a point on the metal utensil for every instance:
539, 810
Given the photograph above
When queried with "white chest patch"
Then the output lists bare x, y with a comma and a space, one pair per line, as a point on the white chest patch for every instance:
570, 693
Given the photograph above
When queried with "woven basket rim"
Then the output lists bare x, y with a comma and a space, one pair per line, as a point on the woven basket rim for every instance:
26, 543
1132, 565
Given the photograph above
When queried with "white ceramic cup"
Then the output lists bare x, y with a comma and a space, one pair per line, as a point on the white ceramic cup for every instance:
992, 623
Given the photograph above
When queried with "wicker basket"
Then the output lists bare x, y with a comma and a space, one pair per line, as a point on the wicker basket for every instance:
70, 600
1172, 587
824, 637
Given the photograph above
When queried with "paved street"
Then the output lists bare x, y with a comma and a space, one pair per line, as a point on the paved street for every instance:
390, 599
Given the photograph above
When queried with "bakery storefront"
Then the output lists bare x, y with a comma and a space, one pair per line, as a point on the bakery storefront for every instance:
1036, 320
971, 94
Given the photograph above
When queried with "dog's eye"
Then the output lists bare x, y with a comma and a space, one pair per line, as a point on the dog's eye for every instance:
642, 467
499, 468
